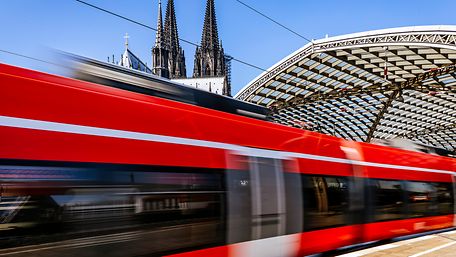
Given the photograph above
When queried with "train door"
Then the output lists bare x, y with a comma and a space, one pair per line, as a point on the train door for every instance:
358, 208
257, 218
268, 205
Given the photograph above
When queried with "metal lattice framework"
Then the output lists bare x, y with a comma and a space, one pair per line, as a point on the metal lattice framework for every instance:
372, 85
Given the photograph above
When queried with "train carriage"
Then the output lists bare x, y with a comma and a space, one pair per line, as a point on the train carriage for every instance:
107, 167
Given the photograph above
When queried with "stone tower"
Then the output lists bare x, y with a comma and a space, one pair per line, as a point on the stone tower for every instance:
209, 57
160, 51
176, 59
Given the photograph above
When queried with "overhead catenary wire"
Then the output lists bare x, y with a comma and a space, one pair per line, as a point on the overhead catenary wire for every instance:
154, 29
128, 19
274, 21
59, 65
29, 57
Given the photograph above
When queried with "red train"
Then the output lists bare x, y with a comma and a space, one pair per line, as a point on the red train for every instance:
94, 169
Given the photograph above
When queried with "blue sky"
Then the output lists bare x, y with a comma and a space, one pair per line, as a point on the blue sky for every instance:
30, 26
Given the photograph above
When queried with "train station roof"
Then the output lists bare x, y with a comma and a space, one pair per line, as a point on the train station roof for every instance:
382, 84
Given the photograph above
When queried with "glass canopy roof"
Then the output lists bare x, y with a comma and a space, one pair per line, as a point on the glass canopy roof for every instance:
385, 84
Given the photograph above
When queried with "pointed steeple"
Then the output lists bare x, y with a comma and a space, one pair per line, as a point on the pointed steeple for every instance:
210, 56
130, 60
171, 26
160, 51
159, 40
209, 38
176, 59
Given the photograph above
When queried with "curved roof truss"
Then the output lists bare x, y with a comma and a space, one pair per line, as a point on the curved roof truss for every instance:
373, 85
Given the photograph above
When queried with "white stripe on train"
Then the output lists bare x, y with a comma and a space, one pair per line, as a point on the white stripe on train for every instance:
114, 133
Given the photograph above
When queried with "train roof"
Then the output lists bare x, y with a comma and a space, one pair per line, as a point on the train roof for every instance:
136, 81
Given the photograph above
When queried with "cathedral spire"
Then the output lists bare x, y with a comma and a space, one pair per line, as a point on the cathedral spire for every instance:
159, 36
160, 51
209, 37
209, 57
171, 25
176, 59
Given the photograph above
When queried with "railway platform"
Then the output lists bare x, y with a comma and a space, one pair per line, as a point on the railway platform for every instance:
441, 244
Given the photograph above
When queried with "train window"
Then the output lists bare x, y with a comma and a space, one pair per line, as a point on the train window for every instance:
70, 202
325, 201
421, 199
387, 199
445, 198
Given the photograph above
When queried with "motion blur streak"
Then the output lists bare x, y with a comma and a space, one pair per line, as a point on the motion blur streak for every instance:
137, 166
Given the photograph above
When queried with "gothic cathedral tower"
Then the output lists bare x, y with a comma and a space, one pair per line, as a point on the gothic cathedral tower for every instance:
209, 57
176, 58
160, 51
167, 51
210, 70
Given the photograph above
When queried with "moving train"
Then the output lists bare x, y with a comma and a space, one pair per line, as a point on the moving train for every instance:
127, 164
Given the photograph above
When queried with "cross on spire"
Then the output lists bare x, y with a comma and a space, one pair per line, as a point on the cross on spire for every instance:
126, 40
